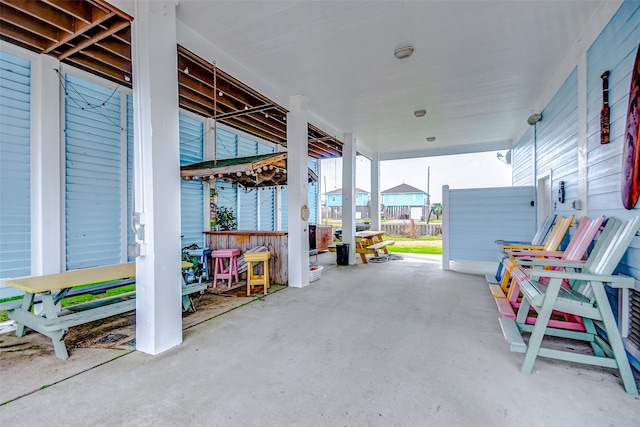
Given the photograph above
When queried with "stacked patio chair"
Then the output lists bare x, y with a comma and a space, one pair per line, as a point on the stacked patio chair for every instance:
585, 297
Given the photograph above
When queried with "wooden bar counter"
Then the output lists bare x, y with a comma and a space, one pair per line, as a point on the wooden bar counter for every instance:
276, 241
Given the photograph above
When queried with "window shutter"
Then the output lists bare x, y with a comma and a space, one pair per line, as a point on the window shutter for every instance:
93, 177
247, 197
313, 194
266, 198
15, 171
191, 192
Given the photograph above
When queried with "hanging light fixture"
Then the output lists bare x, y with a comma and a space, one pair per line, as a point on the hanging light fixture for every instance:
403, 52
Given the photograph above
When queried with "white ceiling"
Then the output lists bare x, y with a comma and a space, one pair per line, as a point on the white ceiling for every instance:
479, 67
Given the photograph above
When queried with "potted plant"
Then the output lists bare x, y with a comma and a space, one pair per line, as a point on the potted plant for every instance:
225, 218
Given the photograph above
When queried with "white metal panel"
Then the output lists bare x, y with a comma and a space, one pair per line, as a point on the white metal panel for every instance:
479, 216
15, 169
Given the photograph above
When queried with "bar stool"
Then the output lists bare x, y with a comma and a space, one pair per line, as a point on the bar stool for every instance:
203, 253
219, 271
254, 279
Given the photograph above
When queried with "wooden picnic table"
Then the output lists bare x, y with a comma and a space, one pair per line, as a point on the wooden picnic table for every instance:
54, 323
369, 242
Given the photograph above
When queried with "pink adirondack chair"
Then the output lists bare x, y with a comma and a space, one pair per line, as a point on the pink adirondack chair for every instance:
584, 235
511, 254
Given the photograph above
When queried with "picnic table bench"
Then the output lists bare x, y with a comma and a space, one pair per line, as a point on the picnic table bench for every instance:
369, 243
54, 323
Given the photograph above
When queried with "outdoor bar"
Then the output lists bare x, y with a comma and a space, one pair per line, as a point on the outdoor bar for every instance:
275, 241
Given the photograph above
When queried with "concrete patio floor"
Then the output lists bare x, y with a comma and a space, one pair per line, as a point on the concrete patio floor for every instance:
400, 343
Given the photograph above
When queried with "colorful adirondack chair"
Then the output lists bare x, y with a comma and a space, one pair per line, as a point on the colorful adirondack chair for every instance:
586, 298
554, 240
577, 248
538, 240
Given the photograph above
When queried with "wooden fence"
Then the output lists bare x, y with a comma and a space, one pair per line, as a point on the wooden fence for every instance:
421, 229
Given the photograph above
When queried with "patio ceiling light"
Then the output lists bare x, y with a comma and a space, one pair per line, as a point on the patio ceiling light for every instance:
403, 52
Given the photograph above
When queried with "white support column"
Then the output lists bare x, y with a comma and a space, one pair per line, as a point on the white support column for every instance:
47, 148
297, 181
320, 189
157, 176
375, 191
445, 228
349, 194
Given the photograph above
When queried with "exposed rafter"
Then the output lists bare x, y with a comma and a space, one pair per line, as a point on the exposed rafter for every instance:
96, 37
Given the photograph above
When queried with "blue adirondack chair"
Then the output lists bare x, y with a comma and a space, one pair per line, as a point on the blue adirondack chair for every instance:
586, 298
538, 240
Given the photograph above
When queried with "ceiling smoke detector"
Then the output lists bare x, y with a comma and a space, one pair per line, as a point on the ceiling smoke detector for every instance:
403, 52
420, 113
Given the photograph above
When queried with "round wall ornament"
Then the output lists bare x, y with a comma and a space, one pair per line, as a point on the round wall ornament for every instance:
304, 212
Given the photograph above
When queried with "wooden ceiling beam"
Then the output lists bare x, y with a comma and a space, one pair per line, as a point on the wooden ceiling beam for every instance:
106, 57
29, 40
82, 10
116, 47
82, 29
196, 98
193, 106
28, 24
244, 112
101, 35
270, 122
323, 151
279, 132
124, 36
100, 68
260, 133
44, 12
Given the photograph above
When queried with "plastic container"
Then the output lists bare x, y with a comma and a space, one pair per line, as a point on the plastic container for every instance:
315, 271
342, 253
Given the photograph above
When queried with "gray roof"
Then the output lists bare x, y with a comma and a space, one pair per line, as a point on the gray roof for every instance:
402, 188
339, 191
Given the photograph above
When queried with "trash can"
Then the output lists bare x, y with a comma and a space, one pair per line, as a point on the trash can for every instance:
342, 253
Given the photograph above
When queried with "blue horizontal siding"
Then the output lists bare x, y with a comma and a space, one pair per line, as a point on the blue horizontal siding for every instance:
93, 175
479, 216
15, 167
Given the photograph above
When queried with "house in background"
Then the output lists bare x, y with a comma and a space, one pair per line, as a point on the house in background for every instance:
363, 203
404, 202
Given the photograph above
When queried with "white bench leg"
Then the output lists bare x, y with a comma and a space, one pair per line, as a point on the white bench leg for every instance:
59, 346
27, 302
615, 341
537, 334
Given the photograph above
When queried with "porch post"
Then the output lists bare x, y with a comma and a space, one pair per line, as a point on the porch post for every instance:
156, 176
375, 191
297, 180
445, 228
349, 194
47, 146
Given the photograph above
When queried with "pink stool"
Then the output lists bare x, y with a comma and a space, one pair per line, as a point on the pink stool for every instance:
219, 272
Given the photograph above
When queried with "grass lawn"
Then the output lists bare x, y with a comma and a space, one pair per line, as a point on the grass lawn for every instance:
429, 245
77, 299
